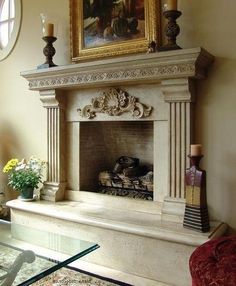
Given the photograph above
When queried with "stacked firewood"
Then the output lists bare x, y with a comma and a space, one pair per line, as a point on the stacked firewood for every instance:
128, 174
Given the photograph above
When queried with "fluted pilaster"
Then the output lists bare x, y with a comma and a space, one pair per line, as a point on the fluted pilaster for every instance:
179, 94
55, 185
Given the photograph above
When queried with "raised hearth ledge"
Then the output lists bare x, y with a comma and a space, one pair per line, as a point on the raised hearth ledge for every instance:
137, 223
120, 233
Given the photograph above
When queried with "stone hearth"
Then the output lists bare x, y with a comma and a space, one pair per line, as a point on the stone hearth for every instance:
154, 107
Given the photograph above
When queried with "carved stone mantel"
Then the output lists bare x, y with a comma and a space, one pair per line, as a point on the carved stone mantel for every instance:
189, 63
175, 72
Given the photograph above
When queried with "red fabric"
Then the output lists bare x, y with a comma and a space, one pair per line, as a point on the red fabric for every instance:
214, 263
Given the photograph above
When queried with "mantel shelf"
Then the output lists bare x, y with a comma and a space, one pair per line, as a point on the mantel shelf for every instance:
142, 68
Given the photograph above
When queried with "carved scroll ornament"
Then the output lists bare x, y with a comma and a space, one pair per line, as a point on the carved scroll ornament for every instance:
115, 102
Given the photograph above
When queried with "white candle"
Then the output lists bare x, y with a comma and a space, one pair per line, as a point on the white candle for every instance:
170, 5
196, 150
49, 30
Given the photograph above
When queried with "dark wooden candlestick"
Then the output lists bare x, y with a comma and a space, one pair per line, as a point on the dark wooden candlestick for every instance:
49, 51
171, 30
196, 212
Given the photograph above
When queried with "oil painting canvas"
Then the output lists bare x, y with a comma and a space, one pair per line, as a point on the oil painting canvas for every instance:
110, 21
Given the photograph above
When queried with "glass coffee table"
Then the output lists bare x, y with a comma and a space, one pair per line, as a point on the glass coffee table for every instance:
23, 264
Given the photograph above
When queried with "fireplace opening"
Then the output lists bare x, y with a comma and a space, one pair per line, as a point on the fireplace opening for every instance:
116, 158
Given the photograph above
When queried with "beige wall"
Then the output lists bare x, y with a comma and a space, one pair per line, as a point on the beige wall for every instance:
209, 24
23, 132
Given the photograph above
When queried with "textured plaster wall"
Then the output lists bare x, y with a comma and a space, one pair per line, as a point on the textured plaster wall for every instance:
22, 118
210, 24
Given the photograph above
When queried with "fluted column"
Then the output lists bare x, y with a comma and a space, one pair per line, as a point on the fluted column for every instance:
179, 94
54, 187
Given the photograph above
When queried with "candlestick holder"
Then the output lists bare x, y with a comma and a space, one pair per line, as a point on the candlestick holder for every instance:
172, 30
49, 51
196, 212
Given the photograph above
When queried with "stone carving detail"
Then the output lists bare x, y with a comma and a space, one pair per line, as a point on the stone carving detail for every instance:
115, 102
95, 77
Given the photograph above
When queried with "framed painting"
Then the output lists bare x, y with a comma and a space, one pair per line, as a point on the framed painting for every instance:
107, 28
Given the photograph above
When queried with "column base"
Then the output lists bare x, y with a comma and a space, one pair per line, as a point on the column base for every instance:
53, 191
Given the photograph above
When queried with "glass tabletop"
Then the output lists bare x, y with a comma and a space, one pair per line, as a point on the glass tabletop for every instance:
23, 264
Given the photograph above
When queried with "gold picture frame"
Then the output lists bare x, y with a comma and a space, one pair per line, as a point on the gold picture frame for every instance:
122, 35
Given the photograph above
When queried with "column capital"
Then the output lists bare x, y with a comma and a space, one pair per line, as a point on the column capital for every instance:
51, 98
178, 90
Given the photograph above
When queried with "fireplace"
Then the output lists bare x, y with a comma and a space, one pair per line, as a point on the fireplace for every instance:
139, 107
116, 109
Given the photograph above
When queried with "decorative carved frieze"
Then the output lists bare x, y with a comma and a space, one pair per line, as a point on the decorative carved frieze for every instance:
113, 76
115, 102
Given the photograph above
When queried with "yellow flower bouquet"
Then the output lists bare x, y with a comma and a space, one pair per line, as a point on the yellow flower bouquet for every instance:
23, 175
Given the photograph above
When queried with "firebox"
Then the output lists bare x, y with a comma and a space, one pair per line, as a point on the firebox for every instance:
104, 144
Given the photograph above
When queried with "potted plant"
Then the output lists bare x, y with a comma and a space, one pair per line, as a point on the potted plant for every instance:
24, 176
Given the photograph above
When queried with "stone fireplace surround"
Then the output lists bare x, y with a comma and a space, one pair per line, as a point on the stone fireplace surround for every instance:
163, 81
152, 230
